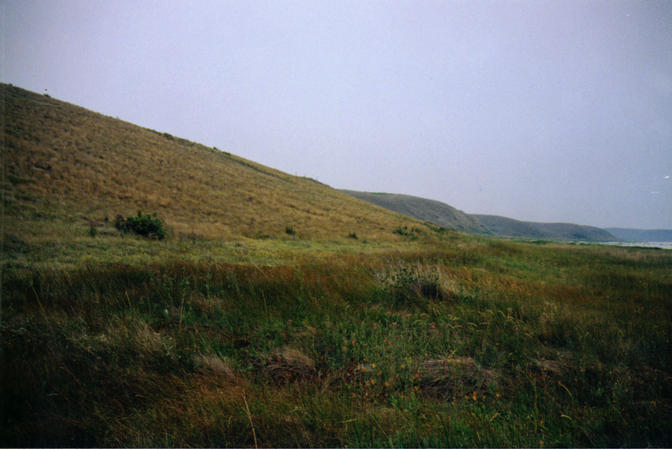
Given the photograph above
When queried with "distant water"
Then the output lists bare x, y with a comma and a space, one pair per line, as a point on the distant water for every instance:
665, 245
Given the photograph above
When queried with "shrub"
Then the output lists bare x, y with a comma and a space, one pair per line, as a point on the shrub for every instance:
408, 284
353, 235
149, 226
405, 232
290, 230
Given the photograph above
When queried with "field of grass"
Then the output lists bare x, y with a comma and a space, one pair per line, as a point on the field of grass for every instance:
280, 312
122, 341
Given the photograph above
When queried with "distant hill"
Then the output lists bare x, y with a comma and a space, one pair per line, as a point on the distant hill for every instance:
90, 166
509, 227
435, 212
642, 235
442, 214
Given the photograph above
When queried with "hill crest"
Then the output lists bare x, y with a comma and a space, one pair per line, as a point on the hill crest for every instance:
509, 227
444, 215
89, 164
436, 212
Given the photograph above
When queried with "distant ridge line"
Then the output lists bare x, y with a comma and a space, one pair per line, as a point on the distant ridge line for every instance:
444, 215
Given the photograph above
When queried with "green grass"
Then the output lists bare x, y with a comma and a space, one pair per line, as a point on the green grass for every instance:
469, 343
260, 320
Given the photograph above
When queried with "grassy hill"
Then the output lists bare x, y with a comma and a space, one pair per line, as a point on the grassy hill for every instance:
435, 212
446, 216
233, 332
509, 227
642, 235
89, 166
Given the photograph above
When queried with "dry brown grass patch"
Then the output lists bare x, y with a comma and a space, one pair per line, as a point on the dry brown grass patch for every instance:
453, 376
287, 365
211, 363
90, 161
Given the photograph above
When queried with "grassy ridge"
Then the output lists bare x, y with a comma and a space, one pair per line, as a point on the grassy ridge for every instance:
66, 161
509, 227
432, 211
469, 343
442, 214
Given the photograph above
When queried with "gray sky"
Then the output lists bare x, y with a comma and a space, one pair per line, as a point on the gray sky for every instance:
536, 110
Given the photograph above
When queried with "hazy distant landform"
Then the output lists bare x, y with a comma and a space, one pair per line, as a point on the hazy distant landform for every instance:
642, 235
436, 212
442, 214
509, 227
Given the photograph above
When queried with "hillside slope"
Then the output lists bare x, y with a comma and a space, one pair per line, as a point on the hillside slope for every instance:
436, 212
509, 227
442, 214
61, 155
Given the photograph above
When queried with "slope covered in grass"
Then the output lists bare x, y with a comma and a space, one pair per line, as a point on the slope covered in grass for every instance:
72, 161
405, 336
446, 216
436, 212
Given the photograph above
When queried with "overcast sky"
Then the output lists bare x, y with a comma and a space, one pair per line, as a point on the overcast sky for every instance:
536, 110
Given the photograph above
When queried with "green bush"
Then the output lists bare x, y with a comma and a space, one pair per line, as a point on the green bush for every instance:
406, 285
149, 226
410, 234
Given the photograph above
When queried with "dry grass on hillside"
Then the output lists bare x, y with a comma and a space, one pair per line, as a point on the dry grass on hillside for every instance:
102, 166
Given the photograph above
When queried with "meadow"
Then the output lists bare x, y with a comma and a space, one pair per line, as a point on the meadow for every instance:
280, 312
113, 340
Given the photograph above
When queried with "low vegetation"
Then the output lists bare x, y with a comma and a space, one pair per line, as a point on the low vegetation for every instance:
278, 312
466, 343
150, 226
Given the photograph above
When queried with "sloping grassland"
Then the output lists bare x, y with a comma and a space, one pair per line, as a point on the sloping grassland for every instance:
362, 328
435, 212
508, 227
57, 155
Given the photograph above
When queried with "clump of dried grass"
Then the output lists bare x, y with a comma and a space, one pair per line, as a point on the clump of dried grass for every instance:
453, 376
211, 363
287, 365
550, 367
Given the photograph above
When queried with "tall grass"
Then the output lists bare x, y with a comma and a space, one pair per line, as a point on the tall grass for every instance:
503, 345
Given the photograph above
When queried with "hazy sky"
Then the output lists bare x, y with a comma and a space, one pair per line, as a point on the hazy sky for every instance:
536, 110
